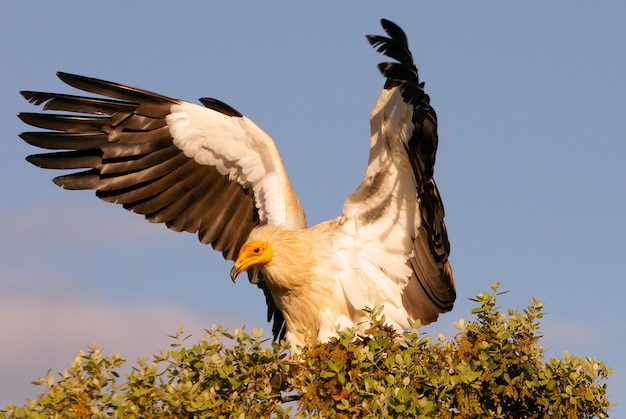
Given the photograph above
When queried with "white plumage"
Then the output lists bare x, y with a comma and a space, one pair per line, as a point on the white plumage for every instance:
239, 149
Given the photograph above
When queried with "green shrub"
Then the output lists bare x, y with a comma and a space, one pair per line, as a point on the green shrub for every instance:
493, 368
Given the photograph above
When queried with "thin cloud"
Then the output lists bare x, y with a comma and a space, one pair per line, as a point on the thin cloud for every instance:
63, 222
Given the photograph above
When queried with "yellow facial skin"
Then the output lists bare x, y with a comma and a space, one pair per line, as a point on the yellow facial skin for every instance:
251, 254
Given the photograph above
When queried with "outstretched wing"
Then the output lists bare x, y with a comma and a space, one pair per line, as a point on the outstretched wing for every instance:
396, 213
206, 170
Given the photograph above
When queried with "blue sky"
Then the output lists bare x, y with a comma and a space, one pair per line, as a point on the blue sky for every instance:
531, 100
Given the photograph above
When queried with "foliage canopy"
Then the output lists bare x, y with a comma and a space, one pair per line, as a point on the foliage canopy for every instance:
494, 367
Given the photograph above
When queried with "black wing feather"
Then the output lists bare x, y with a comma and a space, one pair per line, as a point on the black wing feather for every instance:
431, 242
125, 144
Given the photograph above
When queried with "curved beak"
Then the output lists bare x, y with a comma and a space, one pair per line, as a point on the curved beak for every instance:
234, 272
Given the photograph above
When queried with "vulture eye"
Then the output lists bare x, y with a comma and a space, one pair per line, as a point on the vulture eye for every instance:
256, 250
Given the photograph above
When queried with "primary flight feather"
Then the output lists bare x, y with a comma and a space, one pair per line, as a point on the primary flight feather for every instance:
209, 169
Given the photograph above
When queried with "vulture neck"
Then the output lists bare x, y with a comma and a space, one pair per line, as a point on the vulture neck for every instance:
292, 257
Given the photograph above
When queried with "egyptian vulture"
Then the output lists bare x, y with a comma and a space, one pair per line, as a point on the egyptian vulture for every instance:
209, 169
